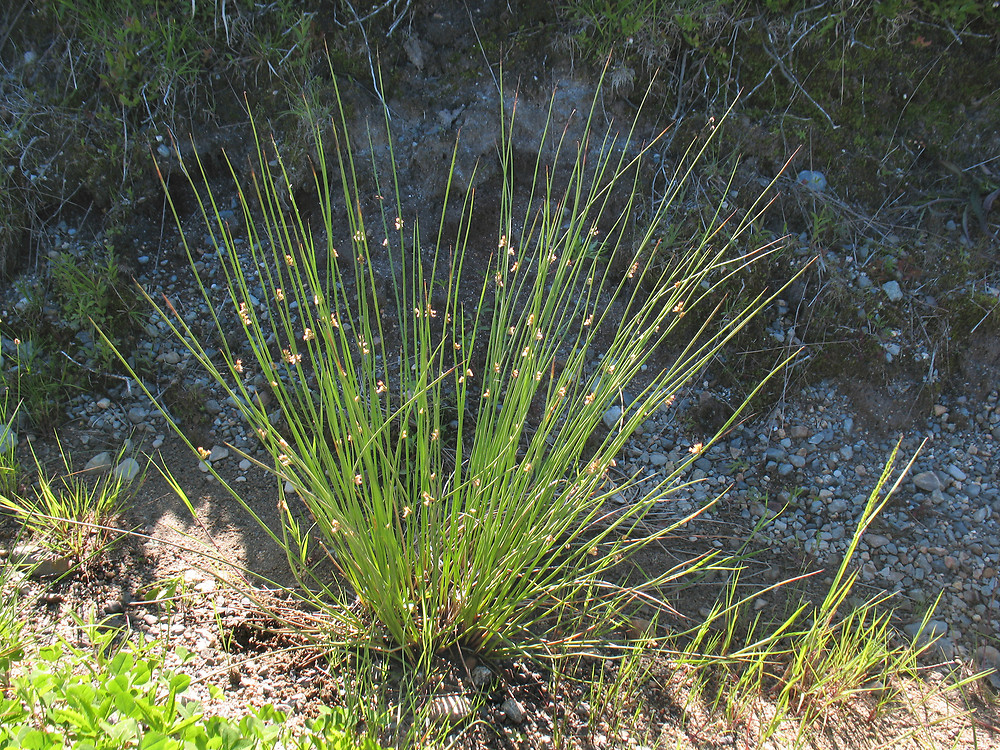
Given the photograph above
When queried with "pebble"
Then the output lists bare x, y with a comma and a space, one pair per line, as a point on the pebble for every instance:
513, 710
612, 417
482, 676
218, 453
892, 291
812, 179
43, 563
8, 438
127, 470
100, 463
927, 481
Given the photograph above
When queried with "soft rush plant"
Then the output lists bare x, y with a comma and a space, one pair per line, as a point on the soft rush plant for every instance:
445, 437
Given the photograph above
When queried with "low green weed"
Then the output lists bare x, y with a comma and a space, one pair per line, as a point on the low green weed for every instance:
36, 380
92, 291
10, 468
146, 54
12, 619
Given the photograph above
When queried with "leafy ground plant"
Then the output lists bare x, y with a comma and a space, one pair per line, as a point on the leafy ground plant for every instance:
448, 433
91, 291
38, 383
128, 698
12, 620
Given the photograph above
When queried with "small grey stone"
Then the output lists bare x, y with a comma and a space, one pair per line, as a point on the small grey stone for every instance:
987, 657
785, 469
50, 567
172, 357
821, 437
612, 417
658, 459
513, 710
218, 453
876, 540
8, 439
812, 179
212, 406
482, 676
797, 461
245, 464
137, 415
837, 505
934, 629
43, 563
100, 463
892, 291
956, 473
127, 470
928, 481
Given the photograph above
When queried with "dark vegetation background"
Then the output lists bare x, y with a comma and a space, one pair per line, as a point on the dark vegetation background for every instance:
895, 103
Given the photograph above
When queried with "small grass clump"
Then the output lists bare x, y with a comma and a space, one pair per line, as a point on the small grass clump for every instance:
799, 670
71, 514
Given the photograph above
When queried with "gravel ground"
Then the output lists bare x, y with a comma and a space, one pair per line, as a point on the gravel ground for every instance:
808, 466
